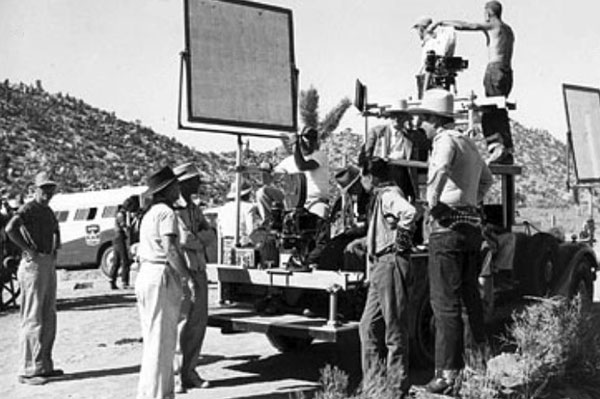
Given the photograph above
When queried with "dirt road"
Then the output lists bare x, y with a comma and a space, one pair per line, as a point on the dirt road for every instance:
99, 347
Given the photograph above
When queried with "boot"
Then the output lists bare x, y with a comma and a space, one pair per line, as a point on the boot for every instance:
443, 383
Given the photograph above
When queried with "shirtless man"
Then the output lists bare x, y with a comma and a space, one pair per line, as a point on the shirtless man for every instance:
498, 78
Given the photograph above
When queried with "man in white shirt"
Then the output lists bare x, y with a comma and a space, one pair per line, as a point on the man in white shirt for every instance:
311, 161
249, 217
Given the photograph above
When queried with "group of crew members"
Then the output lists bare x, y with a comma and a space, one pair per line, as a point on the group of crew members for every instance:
171, 286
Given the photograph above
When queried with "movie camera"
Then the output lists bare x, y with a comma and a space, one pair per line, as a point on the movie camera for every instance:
444, 70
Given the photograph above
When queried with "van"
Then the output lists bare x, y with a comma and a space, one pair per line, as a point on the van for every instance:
87, 222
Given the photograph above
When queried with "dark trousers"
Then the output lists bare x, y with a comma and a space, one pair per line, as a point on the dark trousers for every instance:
453, 268
121, 262
497, 81
384, 323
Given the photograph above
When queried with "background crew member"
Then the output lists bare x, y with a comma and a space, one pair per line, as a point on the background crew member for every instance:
194, 309
498, 78
158, 286
121, 249
34, 229
268, 195
458, 180
384, 323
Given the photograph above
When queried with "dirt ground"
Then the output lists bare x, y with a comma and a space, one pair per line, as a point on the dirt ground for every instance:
99, 347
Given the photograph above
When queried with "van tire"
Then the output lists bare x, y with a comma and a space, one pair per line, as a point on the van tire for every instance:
107, 260
287, 344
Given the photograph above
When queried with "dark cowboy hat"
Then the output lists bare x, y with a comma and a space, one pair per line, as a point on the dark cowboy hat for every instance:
346, 177
186, 171
160, 180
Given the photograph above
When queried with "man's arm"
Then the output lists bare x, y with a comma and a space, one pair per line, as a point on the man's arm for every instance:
302, 163
13, 230
440, 161
485, 182
462, 25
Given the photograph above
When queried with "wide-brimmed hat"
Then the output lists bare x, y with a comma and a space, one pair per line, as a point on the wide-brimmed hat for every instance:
346, 177
246, 189
422, 22
43, 179
186, 171
436, 102
401, 108
160, 180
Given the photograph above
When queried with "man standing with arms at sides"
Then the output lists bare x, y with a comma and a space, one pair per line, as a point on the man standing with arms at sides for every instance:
384, 323
458, 179
498, 78
34, 229
194, 309
158, 286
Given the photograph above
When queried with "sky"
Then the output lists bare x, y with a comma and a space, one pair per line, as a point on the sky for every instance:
123, 55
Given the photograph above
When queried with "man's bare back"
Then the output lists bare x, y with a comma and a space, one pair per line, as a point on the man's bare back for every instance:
501, 40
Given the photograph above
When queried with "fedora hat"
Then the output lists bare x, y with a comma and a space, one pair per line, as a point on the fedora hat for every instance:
400, 108
43, 179
346, 177
186, 171
246, 189
160, 180
436, 102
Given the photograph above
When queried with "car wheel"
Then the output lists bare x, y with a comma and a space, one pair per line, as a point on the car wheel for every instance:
107, 261
286, 343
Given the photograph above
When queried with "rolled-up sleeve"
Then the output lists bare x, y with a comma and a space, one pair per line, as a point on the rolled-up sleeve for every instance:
485, 182
440, 162
392, 203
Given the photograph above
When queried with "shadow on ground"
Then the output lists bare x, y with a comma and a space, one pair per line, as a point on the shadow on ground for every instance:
96, 302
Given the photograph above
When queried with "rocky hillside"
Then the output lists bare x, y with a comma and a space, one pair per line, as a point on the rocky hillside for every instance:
87, 148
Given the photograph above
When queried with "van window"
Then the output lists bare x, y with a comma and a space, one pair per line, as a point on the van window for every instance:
109, 211
61, 216
85, 214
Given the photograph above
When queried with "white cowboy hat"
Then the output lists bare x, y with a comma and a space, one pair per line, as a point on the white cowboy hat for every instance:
186, 171
400, 108
436, 102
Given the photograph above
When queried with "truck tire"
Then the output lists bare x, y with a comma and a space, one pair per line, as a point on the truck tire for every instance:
582, 283
287, 344
107, 260
422, 345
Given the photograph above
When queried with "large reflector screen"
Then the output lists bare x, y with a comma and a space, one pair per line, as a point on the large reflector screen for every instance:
240, 70
583, 118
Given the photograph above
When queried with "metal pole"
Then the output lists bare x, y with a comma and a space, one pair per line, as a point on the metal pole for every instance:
238, 187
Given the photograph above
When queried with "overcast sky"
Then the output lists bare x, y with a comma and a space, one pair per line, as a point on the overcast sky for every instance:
123, 55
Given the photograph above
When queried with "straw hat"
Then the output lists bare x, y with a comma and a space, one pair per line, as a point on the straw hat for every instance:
186, 171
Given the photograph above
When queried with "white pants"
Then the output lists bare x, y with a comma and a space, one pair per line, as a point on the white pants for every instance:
37, 279
158, 292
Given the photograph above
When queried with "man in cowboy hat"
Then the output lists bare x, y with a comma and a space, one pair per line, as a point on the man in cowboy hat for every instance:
34, 229
384, 323
268, 195
498, 77
397, 140
313, 162
458, 179
249, 217
193, 238
158, 287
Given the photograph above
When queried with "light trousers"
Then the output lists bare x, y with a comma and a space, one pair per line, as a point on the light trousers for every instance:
158, 291
37, 279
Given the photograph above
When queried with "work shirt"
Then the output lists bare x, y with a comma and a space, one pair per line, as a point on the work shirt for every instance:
249, 220
159, 221
457, 174
40, 227
317, 180
385, 141
390, 212
191, 223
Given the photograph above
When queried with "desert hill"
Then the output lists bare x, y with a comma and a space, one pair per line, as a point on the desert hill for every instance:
88, 148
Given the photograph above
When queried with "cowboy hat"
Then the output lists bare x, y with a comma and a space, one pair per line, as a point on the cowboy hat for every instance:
346, 177
246, 189
160, 180
436, 102
399, 109
43, 179
186, 171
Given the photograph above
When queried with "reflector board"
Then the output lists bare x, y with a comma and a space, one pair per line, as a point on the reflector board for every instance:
582, 105
240, 65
